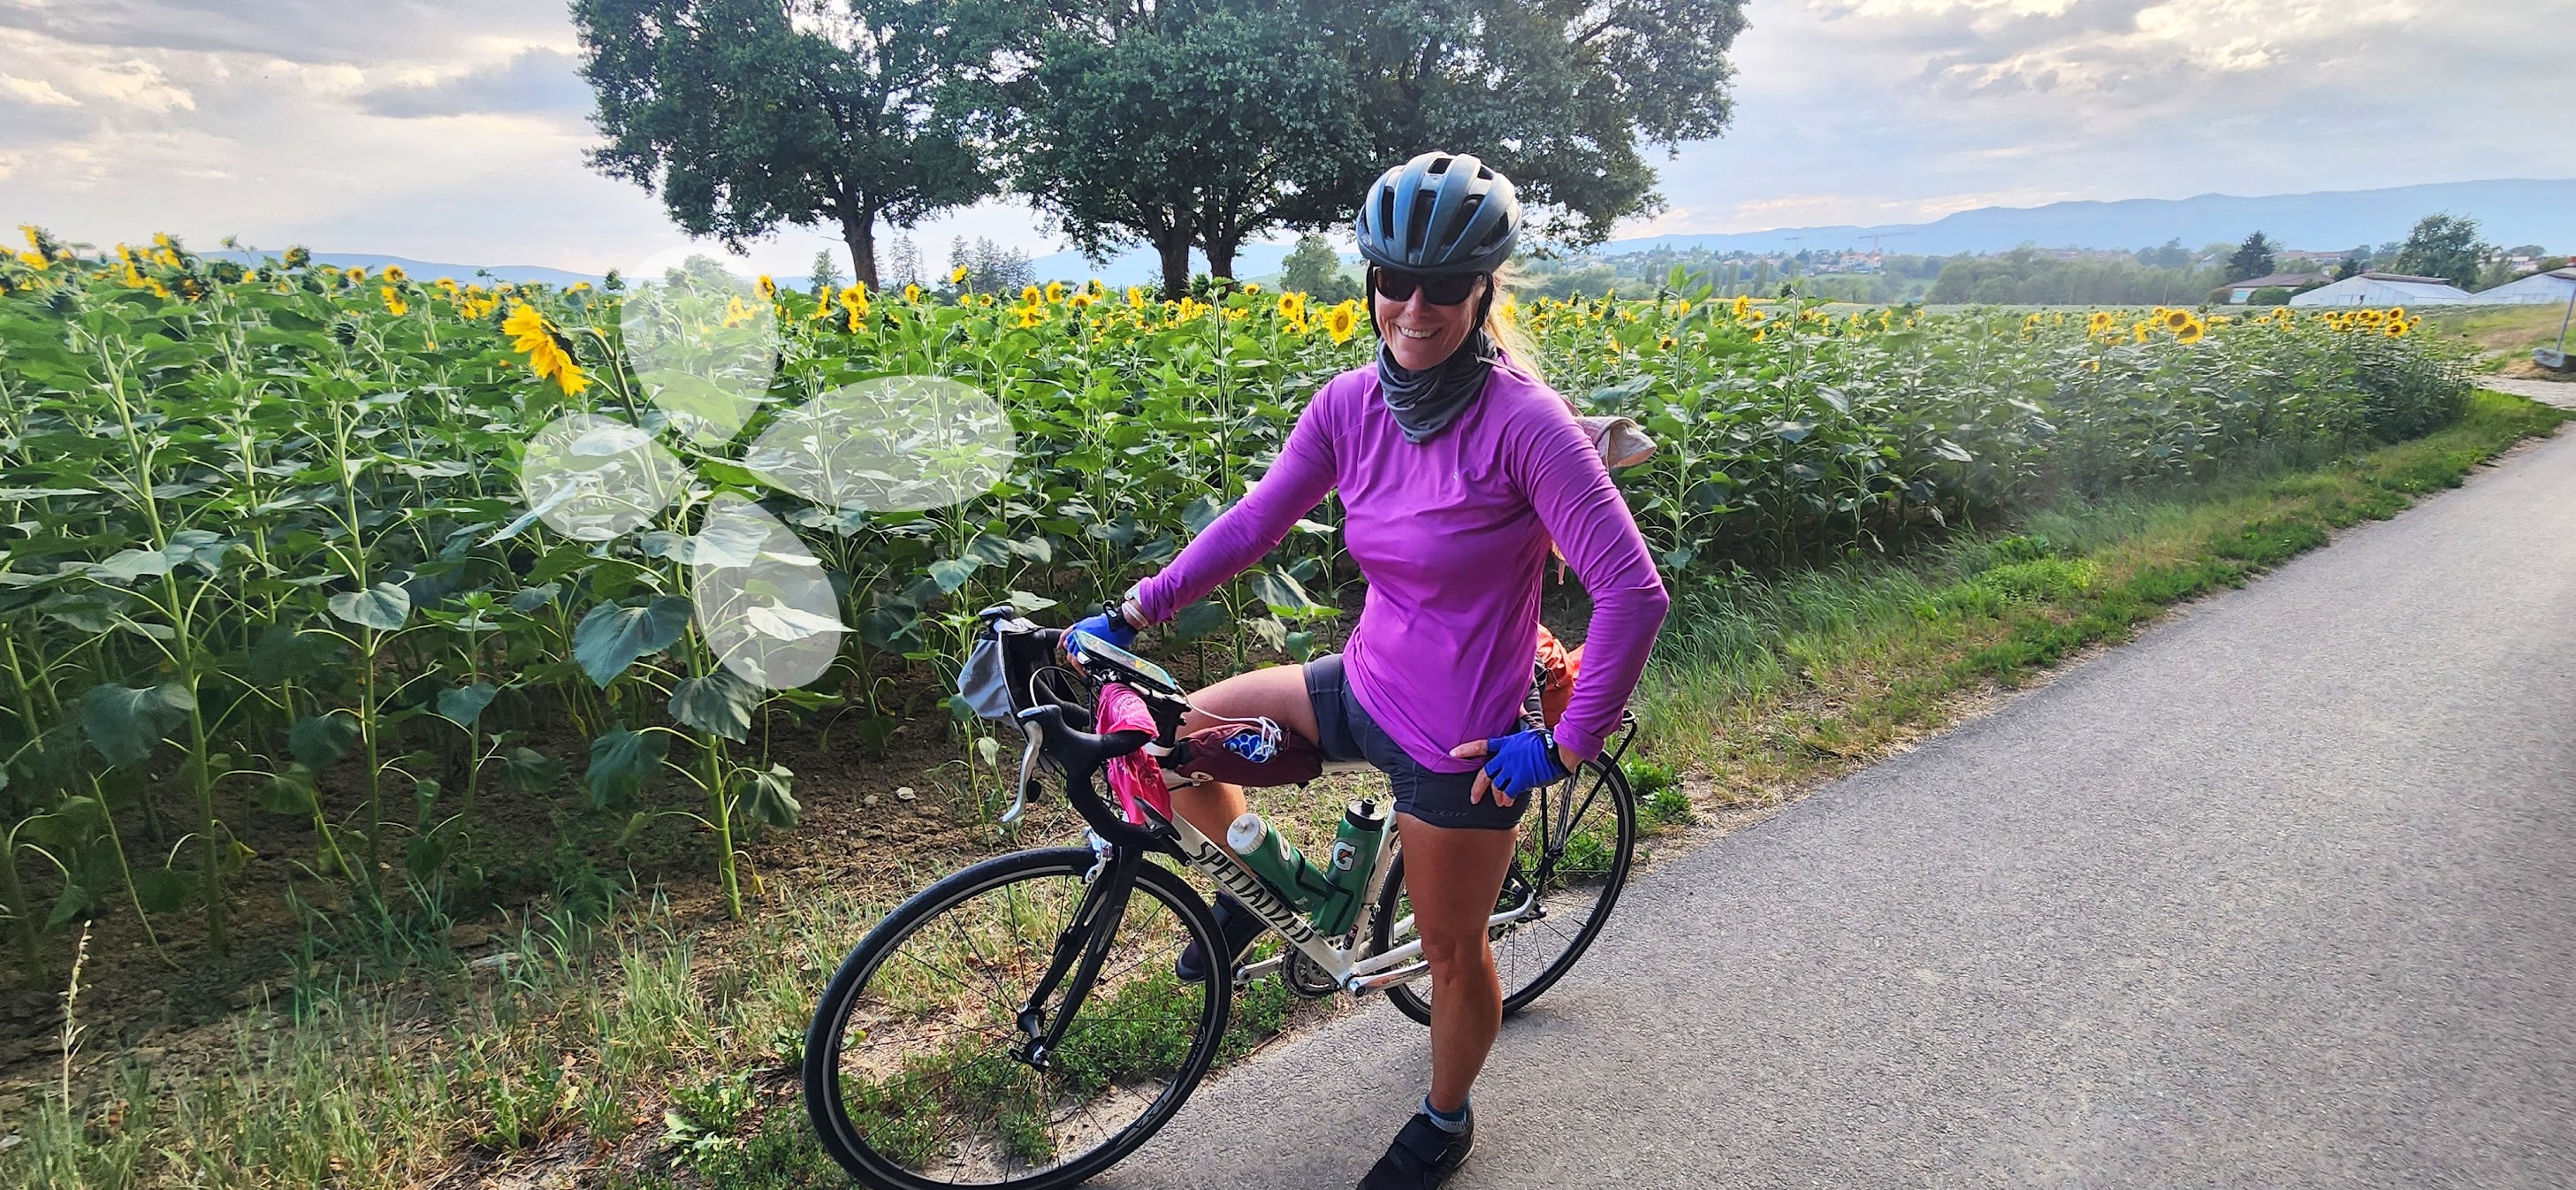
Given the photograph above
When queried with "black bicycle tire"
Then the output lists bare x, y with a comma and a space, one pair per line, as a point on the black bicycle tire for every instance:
828, 1113
1623, 805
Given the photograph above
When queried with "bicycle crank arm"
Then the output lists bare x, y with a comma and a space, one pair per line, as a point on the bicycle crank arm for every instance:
1252, 971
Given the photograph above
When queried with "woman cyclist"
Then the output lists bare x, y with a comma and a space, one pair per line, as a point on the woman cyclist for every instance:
1458, 467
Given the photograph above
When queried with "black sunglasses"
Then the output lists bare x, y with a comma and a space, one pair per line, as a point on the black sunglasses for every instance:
1440, 289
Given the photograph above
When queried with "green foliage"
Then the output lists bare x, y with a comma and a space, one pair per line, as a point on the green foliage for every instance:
2253, 259
318, 614
1315, 269
1207, 125
744, 115
2446, 246
2025, 277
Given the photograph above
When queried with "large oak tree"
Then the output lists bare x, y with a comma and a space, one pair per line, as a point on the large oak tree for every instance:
1211, 122
745, 114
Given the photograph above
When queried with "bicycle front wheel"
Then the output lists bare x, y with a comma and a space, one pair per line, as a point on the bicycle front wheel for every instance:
1571, 860
924, 1069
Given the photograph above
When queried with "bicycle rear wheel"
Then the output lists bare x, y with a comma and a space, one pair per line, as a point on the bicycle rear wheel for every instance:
1572, 859
917, 1070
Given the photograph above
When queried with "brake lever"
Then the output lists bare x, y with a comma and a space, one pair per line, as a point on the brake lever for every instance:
1028, 771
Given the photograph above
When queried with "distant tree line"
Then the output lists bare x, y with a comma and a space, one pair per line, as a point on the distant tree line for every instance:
1181, 124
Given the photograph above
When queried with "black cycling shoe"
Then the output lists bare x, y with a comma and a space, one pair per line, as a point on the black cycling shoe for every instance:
1239, 925
1423, 1156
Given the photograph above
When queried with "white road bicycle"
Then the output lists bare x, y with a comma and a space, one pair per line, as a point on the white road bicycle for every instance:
1019, 1023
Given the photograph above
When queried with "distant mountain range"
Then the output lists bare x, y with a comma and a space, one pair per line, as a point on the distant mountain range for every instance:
425, 270
2510, 212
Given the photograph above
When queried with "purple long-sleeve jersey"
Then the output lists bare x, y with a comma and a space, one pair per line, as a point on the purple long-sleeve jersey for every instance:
1452, 535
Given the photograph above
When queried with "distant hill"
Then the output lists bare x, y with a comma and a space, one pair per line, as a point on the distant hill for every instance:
2510, 212
1143, 267
426, 270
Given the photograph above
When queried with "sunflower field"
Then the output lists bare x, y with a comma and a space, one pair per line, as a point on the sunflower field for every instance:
276, 612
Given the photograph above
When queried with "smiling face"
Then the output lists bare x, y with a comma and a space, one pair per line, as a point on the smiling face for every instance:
1421, 334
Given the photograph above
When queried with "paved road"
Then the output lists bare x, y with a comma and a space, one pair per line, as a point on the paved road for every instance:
2283, 894
2551, 392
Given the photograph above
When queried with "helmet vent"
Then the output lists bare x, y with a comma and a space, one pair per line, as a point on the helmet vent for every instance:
1418, 228
1441, 166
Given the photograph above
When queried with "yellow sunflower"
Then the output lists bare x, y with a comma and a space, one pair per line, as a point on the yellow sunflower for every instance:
2190, 332
1292, 306
2175, 320
1031, 295
1342, 321
531, 336
394, 304
1054, 292
1135, 297
911, 293
957, 276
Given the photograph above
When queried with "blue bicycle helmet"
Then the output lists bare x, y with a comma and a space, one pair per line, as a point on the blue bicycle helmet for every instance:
1439, 213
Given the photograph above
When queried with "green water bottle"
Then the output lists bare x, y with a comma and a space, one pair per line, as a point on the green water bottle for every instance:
1354, 856
1279, 864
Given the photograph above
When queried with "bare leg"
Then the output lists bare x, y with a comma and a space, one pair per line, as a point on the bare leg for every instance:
1454, 875
1278, 692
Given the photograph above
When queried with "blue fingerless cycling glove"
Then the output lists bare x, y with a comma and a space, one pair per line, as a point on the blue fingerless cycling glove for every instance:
1523, 760
1109, 626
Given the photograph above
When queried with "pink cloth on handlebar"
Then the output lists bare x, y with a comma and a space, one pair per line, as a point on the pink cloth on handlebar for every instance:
1452, 534
1135, 778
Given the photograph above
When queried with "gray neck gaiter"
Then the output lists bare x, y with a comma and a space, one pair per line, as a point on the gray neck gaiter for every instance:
1424, 402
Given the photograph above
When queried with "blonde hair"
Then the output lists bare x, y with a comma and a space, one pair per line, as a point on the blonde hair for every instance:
1503, 324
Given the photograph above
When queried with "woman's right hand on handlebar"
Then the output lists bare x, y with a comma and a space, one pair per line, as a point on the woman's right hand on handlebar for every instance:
1114, 623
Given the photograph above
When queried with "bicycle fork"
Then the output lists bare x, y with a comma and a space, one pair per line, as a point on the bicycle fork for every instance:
1079, 949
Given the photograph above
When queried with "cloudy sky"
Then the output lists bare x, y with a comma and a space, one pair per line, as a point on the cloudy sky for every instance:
453, 130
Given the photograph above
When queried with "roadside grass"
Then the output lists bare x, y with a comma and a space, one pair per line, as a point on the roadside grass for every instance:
652, 1051
2504, 335
1768, 688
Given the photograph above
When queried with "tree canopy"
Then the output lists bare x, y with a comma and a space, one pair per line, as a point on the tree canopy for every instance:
1313, 268
1209, 122
1173, 123
2253, 259
745, 114
2446, 246
1190, 123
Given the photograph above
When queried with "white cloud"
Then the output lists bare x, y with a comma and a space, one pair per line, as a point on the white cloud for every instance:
36, 91
454, 131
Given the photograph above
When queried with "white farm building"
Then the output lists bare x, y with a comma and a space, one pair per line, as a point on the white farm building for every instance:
2552, 288
2386, 289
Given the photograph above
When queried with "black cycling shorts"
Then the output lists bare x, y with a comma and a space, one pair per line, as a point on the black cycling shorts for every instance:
1344, 731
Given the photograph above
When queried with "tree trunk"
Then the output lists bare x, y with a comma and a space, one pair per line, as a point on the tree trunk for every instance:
1174, 247
861, 235
1220, 252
